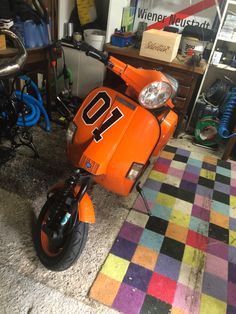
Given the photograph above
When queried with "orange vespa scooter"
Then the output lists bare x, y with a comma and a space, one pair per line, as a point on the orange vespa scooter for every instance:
110, 141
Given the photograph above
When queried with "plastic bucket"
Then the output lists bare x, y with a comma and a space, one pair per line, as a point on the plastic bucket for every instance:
95, 38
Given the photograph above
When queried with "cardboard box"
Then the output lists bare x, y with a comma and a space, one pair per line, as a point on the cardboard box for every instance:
160, 45
2, 42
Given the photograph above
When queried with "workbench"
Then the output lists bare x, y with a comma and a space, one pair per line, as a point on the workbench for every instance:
188, 76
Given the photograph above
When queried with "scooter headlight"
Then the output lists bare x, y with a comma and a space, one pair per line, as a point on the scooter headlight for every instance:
71, 132
155, 95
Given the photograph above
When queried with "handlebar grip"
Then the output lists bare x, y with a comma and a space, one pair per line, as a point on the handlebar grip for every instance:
91, 51
13, 65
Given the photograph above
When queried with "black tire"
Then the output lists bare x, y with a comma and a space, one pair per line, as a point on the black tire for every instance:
72, 247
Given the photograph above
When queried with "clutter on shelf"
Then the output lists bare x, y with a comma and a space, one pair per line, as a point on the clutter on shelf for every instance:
121, 38
29, 23
215, 113
228, 30
160, 45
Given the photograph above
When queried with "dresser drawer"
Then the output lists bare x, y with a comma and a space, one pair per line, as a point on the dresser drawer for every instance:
183, 78
180, 103
183, 91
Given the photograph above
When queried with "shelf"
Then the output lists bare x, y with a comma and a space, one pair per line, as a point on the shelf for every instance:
222, 66
227, 40
232, 2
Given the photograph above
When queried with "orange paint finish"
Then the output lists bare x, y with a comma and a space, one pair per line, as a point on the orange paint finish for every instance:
136, 146
133, 136
84, 135
46, 246
85, 209
131, 139
168, 126
138, 78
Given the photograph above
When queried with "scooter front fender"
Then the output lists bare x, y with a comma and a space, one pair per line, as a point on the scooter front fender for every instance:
86, 211
85, 207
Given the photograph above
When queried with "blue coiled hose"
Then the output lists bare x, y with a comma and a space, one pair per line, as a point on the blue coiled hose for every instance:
33, 116
227, 115
35, 104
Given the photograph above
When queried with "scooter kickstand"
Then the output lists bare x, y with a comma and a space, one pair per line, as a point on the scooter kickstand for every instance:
141, 193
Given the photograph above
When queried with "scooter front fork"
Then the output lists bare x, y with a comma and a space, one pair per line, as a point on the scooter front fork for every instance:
68, 197
82, 177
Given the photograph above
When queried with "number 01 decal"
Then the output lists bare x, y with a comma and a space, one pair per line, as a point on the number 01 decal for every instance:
115, 116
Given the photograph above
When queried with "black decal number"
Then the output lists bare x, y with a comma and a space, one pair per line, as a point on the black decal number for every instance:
106, 105
116, 115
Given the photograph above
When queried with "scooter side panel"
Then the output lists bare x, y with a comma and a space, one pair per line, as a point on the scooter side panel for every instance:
131, 139
168, 126
112, 133
136, 146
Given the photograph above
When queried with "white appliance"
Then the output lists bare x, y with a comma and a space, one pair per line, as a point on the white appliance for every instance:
87, 72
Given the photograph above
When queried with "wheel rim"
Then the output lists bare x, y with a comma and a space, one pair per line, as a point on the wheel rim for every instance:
46, 242
46, 245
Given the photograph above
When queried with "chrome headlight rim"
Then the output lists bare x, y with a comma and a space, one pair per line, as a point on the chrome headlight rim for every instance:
162, 102
174, 84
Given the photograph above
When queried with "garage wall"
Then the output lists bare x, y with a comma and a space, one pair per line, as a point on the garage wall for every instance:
64, 11
114, 16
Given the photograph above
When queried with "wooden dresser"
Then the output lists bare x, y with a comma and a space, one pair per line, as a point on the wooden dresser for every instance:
188, 76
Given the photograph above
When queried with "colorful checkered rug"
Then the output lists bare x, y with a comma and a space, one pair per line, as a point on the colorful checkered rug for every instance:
183, 258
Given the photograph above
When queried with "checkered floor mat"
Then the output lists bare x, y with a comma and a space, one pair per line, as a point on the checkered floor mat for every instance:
183, 258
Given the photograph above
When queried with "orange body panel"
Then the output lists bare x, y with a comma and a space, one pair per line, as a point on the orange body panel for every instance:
84, 134
136, 78
113, 131
131, 139
168, 126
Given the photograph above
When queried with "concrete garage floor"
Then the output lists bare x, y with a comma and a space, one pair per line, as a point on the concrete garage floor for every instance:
25, 285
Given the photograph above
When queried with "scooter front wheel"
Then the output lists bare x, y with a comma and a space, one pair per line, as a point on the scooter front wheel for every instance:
58, 254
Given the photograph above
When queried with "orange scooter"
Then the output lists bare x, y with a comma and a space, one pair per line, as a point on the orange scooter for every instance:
110, 141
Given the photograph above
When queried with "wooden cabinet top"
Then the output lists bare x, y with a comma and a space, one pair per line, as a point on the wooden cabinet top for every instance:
178, 62
34, 55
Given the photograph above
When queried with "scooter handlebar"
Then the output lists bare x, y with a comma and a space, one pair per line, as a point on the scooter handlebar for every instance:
11, 66
91, 51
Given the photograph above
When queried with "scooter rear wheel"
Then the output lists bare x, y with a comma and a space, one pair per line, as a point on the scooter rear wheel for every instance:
62, 256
